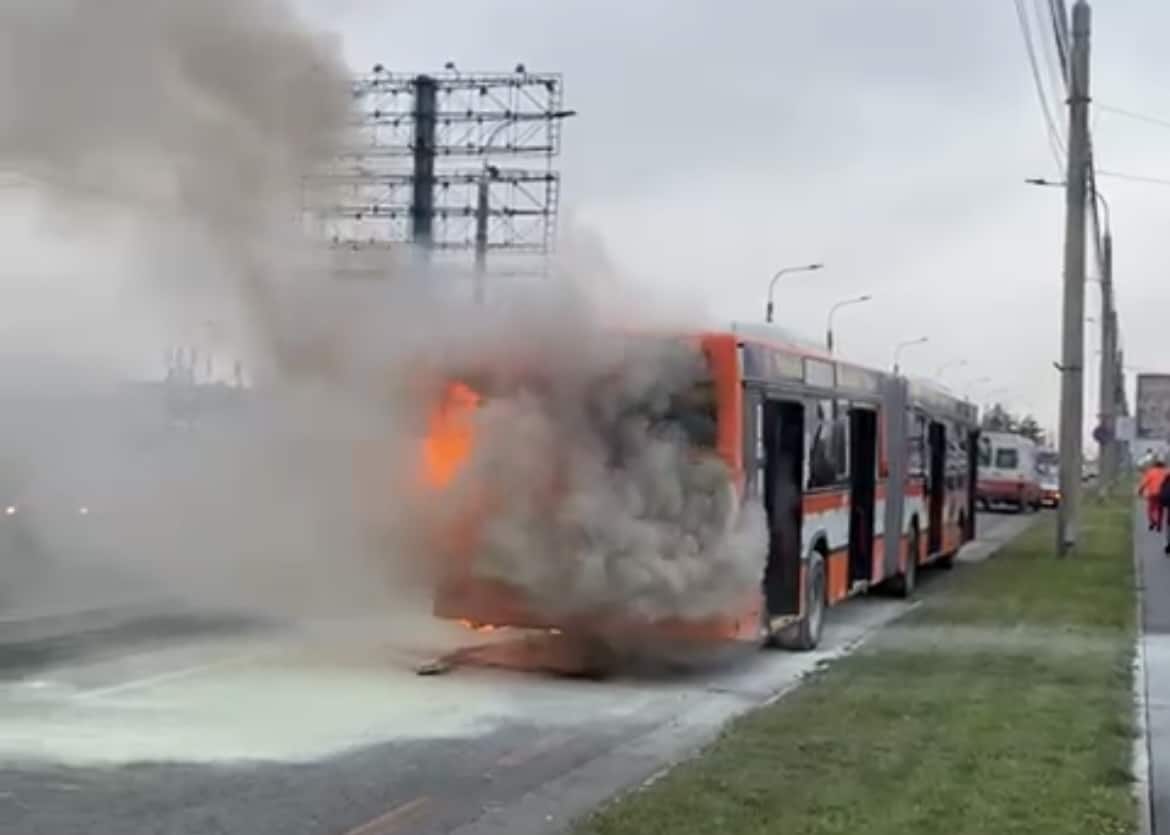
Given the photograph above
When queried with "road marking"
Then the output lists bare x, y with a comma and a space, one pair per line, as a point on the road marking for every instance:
162, 678
395, 818
541, 746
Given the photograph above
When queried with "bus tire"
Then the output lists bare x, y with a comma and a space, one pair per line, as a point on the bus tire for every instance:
805, 635
906, 582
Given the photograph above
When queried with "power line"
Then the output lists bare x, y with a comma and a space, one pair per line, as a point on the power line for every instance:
1054, 56
1132, 114
1059, 16
1097, 245
1135, 178
1054, 137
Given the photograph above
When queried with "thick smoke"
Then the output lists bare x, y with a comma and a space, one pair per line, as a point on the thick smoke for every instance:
166, 141
602, 495
184, 129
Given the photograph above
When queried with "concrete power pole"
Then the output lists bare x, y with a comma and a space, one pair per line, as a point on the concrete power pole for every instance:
1107, 426
482, 209
1072, 361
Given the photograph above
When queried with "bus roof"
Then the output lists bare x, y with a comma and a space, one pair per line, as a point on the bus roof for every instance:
777, 337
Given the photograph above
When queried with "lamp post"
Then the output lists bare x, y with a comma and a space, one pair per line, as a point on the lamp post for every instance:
1108, 403
1040, 181
483, 200
834, 309
901, 346
782, 272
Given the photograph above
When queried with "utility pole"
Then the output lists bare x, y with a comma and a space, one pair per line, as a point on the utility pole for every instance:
1072, 361
1107, 438
482, 210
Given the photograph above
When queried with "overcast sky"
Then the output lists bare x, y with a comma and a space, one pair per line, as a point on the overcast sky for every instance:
719, 141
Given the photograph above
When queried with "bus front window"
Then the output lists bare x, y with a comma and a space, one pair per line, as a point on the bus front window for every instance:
694, 411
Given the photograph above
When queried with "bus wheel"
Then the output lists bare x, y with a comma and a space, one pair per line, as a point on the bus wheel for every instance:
806, 634
905, 583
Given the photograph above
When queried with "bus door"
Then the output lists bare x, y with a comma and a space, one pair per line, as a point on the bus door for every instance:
783, 441
936, 487
863, 435
972, 482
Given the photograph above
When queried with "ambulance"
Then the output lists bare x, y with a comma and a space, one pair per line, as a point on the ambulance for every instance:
1008, 472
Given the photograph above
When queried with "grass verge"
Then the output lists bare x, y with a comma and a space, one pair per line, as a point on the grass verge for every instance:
1002, 705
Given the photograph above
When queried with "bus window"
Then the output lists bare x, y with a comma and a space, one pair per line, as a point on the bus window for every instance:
840, 438
916, 443
829, 450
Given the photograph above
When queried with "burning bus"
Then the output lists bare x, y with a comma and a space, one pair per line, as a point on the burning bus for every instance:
708, 488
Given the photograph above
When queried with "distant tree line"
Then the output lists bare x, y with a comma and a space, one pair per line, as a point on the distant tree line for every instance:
999, 419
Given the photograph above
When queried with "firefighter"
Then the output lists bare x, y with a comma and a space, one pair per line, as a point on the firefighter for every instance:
1151, 489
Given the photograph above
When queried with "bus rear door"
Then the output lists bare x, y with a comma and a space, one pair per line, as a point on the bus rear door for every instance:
783, 441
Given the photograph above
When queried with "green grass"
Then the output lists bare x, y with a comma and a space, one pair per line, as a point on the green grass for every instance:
1001, 706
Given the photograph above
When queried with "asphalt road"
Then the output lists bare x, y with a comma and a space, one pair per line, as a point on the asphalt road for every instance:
329, 731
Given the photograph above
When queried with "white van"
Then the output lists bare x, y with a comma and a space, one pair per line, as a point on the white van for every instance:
1008, 472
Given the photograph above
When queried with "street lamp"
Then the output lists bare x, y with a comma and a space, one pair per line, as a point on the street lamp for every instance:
901, 346
483, 199
1040, 181
834, 309
785, 271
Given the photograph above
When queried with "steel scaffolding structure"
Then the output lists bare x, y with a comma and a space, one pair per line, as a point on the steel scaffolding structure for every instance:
406, 175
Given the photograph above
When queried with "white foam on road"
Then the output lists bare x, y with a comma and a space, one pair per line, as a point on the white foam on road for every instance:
303, 702
312, 694
287, 701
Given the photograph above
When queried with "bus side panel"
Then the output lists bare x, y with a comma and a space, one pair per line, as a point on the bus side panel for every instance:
837, 568
895, 416
723, 357
972, 483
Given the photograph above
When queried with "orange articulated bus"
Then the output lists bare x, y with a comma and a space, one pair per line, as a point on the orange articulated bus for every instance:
863, 476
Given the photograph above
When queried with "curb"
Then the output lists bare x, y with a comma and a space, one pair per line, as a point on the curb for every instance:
1141, 707
1141, 742
553, 807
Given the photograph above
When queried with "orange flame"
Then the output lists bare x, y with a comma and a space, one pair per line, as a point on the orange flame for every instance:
450, 436
477, 627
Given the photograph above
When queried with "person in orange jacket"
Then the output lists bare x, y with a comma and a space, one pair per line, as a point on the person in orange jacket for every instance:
1151, 488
